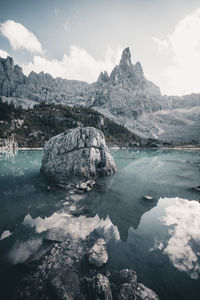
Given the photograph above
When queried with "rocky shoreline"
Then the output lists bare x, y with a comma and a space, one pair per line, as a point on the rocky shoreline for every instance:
75, 267
65, 271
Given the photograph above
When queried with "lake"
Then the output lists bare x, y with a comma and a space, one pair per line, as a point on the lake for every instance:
157, 236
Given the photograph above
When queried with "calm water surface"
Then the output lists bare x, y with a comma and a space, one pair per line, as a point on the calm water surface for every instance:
158, 238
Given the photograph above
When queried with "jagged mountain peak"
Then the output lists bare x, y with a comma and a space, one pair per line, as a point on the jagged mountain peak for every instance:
138, 68
126, 58
103, 77
126, 73
8, 59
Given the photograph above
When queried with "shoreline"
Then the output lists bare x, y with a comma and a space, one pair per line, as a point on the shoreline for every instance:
181, 148
124, 148
27, 148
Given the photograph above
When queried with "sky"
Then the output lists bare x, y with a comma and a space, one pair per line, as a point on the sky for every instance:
77, 39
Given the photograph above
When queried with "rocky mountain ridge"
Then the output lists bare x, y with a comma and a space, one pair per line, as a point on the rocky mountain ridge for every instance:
128, 98
40, 87
125, 96
126, 91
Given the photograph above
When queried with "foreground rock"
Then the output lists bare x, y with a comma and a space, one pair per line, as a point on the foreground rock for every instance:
99, 288
77, 157
60, 271
126, 286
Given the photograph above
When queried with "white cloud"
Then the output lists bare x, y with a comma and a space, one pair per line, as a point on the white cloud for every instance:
22, 250
5, 234
58, 225
183, 44
3, 53
66, 26
184, 220
20, 37
78, 64
162, 44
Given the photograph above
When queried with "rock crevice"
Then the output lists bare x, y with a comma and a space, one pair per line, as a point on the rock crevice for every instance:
76, 156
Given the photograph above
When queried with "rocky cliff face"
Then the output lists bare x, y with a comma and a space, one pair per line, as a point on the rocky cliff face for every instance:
11, 76
38, 87
128, 98
126, 92
125, 97
76, 156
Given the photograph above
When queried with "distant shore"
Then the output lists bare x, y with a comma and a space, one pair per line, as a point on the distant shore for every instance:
27, 148
123, 148
182, 148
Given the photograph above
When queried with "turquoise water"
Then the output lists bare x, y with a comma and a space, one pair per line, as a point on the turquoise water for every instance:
158, 238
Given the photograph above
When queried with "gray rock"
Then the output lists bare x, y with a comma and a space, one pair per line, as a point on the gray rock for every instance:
100, 288
103, 77
58, 268
77, 156
81, 211
126, 287
144, 293
128, 275
148, 197
66, 285
86, 186
126, 292
98, 254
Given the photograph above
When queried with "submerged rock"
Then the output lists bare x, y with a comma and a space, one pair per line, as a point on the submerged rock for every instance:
59, 271
148, 197
126, 287
197, 188
98, 254
144, 293
99, 288
81, 211
77, 156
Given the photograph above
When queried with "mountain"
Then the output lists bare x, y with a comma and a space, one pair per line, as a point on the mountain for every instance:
125, 96
42, 87
128, 98
126, 92
34, 126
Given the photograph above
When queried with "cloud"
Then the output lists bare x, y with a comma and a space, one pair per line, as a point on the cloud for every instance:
183, 45
58, 225
5, 234
3, 53
79, 64
184, 220
22, 250
162, 44
66, 26
20, 37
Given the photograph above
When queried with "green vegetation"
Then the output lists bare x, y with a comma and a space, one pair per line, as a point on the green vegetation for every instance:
35, 126
9, 110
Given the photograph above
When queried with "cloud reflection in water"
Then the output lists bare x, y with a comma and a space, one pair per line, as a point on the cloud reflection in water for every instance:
183, 217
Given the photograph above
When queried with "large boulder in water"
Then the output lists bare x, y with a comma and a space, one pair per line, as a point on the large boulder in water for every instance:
77, 156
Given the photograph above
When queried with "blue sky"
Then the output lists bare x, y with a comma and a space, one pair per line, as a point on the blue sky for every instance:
77, 39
